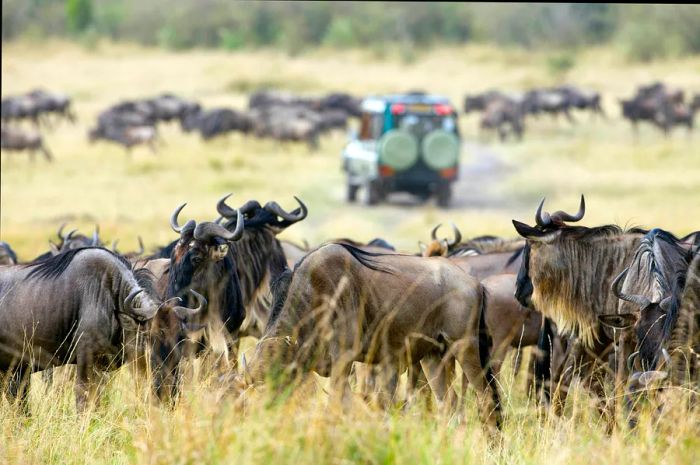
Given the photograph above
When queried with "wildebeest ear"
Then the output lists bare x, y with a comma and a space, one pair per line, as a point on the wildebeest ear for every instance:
618, 321
528, 232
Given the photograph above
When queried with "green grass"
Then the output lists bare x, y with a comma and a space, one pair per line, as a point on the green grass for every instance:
645, 180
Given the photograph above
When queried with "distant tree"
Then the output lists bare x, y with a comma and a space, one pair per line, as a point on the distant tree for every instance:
78, 15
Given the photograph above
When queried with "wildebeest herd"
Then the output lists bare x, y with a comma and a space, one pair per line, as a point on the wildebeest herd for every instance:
287, 117
613, 307
506, 113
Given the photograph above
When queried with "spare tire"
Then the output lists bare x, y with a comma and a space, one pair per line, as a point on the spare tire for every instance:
398, 149
440, 149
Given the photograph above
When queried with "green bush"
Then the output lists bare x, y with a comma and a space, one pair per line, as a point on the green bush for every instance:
340, 34
78, 15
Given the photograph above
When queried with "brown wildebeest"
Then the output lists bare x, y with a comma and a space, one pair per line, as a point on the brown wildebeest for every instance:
342, 304
112, 317
566, 273
16, 139
504, 116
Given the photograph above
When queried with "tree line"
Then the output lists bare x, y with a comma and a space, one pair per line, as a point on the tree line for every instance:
643, 32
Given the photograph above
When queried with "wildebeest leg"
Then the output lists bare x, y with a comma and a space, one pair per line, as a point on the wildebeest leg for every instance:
151, 145
340, 383
440, 373
569, 116
46, 153
416, 382
18, 383
467, 354
83, 379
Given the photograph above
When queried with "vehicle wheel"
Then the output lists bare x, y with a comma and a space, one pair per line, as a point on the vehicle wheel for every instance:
352, 192
444, 195
372, 192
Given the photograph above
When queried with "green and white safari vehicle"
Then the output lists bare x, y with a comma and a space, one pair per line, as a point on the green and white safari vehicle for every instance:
406, 142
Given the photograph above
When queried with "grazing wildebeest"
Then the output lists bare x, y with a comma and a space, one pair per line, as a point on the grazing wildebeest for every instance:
7, 255
650, 291
85, 307
127, 136
215, 122
581, 99
16, 139
503, 115
203, 260
48, 102
566, 272
342, 304
480, 101
550, 101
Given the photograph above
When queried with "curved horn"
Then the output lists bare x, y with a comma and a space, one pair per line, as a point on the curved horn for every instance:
563, 216
639, 300
250, 206
223, 209
630, 360
205, 231
433, 233
173, 221
458, 236
69, 236
142, 249
60, 232
138, 311
273, 207
114, 246
542, 221
185, 312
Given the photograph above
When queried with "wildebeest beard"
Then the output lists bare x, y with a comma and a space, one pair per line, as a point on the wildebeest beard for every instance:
218, 282
573, 286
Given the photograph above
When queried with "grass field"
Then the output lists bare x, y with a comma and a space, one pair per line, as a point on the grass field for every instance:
642, 180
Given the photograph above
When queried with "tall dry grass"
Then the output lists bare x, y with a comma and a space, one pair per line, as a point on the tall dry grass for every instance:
644, 179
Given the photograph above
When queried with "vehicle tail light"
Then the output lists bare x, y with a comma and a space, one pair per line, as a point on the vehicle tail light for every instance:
448, 173
398, 108
442, 109
386, 170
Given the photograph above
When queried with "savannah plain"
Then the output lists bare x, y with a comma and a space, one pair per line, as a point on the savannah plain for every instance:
629, 179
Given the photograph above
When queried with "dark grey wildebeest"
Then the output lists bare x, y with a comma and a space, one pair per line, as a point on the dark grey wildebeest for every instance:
342, 305
16, 139
650, 290
85, 307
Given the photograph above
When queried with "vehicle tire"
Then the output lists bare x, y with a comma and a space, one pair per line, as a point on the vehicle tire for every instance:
372, 193
352, 192
444, 195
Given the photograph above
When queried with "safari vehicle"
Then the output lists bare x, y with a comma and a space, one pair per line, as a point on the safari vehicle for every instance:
406, 142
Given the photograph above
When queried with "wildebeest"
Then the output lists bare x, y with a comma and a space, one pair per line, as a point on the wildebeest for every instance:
581, 99
503, 116
49, 102
650, 290
20, 107
259, 255
215, 122
202, 260
657, 103
127, 136
550, 101
16, 139
47, 320
342, 304
566, 273
72, 240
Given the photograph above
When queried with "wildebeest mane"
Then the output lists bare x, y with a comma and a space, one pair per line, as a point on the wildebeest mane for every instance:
52, 267
255, 253
279, 288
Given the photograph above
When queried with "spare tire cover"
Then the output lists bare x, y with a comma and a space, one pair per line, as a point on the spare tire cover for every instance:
398, 149
440, 149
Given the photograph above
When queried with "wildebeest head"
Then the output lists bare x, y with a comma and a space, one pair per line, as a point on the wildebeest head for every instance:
566, 270
440, 247
168, 332
202, 260
7, 255
271, 216
650, 290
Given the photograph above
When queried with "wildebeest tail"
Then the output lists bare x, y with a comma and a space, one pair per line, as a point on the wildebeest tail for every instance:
485, 344
366, 258
279, 288
543, 362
